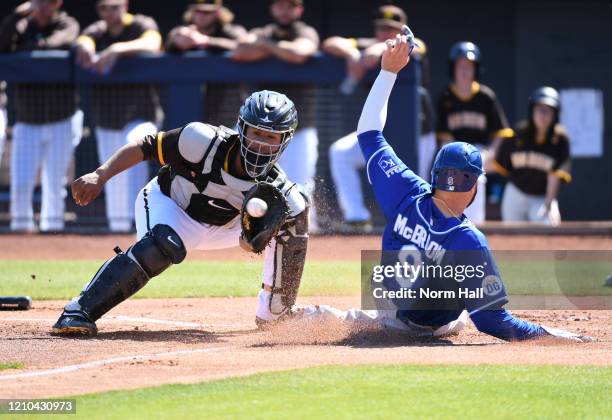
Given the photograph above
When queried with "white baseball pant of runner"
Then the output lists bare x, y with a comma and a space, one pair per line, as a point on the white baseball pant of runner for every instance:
152, 207
520, 207
381, 320
2, 131
121, 190
49, 147
346, 160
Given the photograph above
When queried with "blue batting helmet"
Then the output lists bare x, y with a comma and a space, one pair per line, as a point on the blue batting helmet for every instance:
457, 167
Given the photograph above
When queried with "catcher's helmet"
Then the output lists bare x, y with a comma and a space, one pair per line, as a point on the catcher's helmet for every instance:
467, 50
457, 167
269, 111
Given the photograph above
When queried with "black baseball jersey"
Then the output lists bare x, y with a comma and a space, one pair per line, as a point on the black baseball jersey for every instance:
476, 120
37, 103
527, 162
215, 45
114, 106
196, 172
303, 95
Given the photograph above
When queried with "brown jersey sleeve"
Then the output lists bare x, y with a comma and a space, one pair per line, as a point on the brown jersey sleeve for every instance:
95, 30
162, 147
309, 33
502, 161
8, 32
63, 36
144, 24
443, 133
497, 123
562, 165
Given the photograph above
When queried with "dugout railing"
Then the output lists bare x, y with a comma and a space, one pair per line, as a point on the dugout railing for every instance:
180, 80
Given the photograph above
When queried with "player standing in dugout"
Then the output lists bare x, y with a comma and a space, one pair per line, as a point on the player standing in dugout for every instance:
3, 120
535, 160
425, 218
345, 158
48, 124
469, 111
194, 203
208, 27
122, 113
291, 40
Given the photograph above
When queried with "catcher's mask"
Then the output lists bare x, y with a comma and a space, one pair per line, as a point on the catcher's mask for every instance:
267, 111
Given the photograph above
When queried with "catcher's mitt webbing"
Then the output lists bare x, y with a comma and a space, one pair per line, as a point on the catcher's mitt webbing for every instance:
257, 232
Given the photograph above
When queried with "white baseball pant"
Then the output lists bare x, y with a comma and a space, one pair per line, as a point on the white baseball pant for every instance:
299, 160
476, 211
381, 320
520, 207
346, 160
2, 131
121, 190
49, 147
197, 236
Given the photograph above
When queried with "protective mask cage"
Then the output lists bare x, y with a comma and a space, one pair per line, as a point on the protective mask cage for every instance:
260, 156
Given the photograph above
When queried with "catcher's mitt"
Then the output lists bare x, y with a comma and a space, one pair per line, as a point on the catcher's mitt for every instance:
257, 232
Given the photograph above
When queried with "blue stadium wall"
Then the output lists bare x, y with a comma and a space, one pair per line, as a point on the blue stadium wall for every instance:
563, 43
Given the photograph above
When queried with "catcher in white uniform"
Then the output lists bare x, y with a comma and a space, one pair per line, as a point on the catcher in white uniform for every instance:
198, 201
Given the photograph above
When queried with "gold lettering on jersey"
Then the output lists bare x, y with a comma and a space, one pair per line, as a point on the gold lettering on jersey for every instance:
532, 160
467, 119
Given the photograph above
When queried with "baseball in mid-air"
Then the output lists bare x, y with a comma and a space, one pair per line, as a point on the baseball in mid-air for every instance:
256, 207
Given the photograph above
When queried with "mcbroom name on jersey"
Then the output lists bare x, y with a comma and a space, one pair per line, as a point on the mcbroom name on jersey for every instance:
195, 173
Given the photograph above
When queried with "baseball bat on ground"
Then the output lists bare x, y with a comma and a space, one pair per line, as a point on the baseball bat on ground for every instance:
15, 303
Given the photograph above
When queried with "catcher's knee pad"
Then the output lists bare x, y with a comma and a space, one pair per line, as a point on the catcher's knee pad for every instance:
158, 250
126, 273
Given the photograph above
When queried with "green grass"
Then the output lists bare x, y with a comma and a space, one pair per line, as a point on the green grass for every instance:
11, 365
372, 391
64, 279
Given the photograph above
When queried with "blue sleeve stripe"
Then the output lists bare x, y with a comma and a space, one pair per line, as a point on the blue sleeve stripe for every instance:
370, 160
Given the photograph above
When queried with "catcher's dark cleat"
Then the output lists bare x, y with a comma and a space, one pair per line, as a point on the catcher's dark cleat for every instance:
74, 325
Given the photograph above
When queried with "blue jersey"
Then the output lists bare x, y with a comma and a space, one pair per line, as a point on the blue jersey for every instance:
415, 222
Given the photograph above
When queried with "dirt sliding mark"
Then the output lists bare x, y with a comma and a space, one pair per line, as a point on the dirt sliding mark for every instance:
151, 342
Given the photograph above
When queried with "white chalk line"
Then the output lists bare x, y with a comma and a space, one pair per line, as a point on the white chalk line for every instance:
106, 362
123, 318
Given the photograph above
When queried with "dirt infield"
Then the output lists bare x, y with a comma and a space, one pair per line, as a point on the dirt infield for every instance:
152, 342
149, 342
